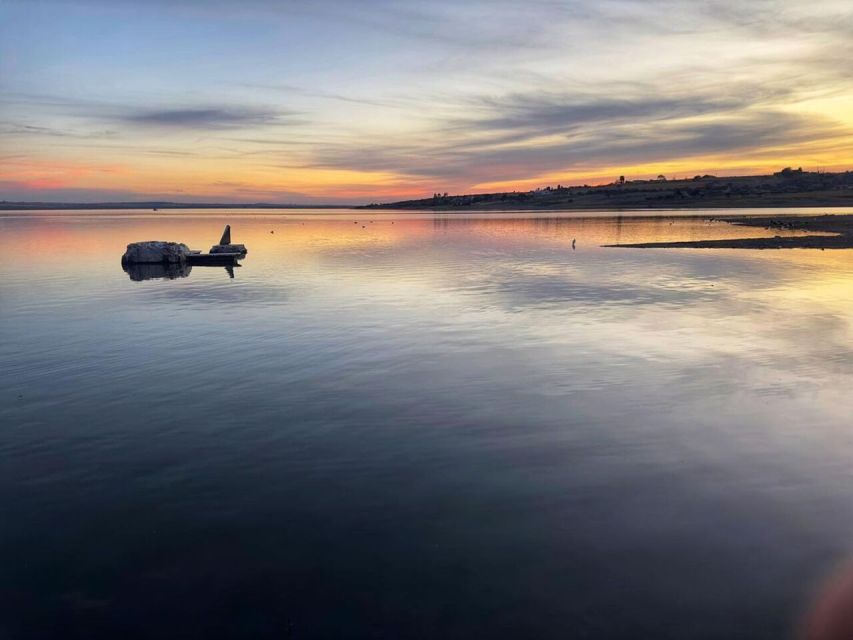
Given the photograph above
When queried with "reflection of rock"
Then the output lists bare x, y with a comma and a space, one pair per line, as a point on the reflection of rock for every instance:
155, 252
148, 271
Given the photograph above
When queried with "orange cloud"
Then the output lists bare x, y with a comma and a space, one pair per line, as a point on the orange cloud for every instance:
46, 174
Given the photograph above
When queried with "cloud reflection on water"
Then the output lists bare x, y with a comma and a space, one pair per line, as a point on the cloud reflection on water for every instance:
437, 398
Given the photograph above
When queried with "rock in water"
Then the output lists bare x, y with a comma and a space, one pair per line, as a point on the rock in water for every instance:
228, 248
154, 252
225, 245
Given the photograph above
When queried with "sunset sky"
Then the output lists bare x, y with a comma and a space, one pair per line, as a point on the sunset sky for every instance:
352, 101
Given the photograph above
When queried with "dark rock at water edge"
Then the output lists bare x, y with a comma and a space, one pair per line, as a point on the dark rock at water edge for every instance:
226, 247
156, 252
229, 248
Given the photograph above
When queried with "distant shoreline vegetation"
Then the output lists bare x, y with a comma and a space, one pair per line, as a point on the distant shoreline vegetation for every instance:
786, 188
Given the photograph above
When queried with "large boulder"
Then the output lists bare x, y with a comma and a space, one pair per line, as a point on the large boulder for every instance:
156, 252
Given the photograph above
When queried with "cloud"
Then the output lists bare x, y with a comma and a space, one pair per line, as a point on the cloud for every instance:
23, 191
206, 118
18, 191
15, 129
588, 137
101, 112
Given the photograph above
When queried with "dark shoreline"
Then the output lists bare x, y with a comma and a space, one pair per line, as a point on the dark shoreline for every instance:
838, 230
766, 203
786, 188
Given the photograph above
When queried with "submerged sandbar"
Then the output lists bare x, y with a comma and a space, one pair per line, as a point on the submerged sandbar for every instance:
821, 232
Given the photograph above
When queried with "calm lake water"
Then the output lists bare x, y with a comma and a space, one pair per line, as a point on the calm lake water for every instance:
418, 426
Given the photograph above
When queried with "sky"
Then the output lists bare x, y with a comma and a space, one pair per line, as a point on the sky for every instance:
355, 101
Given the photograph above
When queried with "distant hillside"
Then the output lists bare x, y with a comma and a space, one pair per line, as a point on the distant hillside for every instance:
787, 188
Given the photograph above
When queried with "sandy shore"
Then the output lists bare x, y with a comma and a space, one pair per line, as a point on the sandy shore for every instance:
836, 230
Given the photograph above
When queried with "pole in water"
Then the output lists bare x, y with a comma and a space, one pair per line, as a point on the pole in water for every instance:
226, 235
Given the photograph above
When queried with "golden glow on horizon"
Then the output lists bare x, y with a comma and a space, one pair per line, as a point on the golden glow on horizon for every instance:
765, 162
207, 179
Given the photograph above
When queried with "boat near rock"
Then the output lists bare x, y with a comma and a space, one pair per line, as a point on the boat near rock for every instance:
177, 253
225, 247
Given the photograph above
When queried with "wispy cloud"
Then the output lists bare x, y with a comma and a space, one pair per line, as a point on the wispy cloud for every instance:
15, 129
526, 133
208, 118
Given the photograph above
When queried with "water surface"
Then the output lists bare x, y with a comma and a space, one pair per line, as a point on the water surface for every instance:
417, 426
